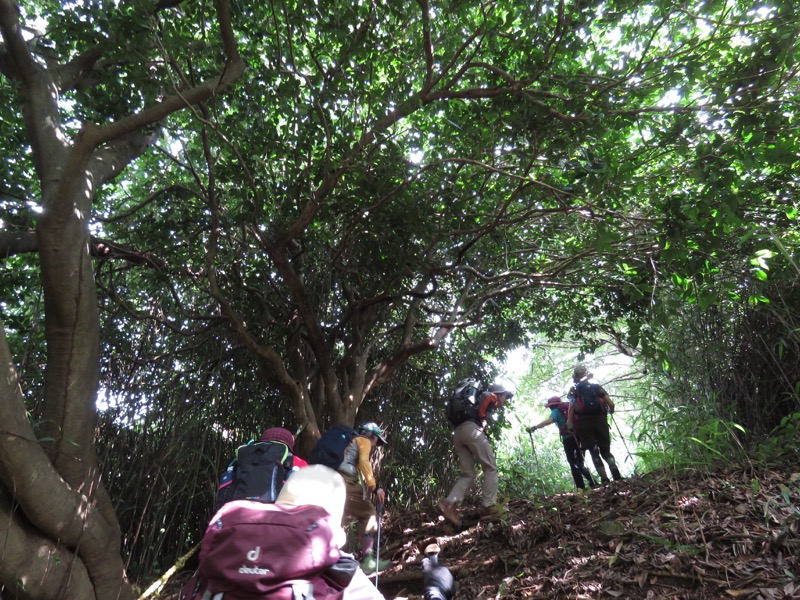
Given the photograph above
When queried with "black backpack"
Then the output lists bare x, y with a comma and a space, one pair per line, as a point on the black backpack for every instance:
329, 449
463, 403
587, 400
257, 473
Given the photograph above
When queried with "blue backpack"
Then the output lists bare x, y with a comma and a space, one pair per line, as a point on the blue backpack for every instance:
329, 450
587, 400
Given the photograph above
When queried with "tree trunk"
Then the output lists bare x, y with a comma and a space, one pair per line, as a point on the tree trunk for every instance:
59, 531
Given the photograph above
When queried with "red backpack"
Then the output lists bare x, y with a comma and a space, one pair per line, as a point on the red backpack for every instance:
256, 551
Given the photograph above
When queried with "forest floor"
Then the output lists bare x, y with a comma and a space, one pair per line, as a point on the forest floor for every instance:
693, 535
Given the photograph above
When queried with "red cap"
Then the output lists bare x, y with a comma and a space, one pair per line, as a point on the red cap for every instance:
279, 434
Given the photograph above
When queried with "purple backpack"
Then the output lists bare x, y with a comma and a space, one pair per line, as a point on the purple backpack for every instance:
257, 551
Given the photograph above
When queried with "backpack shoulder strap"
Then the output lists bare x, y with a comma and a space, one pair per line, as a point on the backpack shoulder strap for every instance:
249, 443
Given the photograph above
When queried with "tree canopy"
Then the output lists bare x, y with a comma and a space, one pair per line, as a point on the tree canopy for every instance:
217, 213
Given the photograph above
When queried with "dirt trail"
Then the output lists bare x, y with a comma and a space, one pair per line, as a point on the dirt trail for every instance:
697, 535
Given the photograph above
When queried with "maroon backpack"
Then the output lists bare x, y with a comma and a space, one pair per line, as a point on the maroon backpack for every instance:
256, 551
563, 408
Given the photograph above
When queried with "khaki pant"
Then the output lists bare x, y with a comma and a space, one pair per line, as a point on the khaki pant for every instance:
472, 448
357, 508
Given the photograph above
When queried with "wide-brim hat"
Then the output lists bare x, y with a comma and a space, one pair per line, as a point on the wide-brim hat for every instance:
553, 401
497, 388
320, 486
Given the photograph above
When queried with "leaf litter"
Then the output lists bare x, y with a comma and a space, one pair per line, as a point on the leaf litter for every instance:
693, 535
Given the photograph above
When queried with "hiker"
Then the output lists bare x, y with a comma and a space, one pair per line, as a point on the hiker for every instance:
259, 469
324, 487
284, 436
589, 405
558, 415
288, 549
472, 447
356, 469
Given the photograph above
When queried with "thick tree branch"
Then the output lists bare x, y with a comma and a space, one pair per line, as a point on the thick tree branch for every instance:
95, 136
40, 110
74, 73
18, 242
46, 566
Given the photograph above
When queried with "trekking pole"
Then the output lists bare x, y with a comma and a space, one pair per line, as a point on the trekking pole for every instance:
535, 458
621, 436
379, 508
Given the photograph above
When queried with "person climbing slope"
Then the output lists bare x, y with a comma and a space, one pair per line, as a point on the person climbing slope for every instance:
356, 469
472, 447
589, 405
558, 415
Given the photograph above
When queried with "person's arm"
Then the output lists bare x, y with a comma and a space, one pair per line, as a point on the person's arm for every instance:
570, 416
488, 402
364, 466
609, 403
544, 423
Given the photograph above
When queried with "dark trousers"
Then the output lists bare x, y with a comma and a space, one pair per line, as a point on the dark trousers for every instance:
593, 435
575, 460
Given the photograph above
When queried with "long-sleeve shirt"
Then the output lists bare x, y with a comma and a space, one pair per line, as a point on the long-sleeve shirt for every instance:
356, 460
488, 403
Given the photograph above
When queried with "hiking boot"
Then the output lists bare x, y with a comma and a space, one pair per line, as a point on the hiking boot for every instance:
370, 565
449, 512
489, 511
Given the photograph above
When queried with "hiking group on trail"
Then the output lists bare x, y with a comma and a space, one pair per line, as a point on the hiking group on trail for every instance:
558, 415
280, 523
583, 425
290, 545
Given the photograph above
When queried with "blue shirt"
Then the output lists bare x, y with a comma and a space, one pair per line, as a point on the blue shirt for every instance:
561, 421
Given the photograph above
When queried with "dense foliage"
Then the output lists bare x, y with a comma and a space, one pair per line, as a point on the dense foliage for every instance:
220, 217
